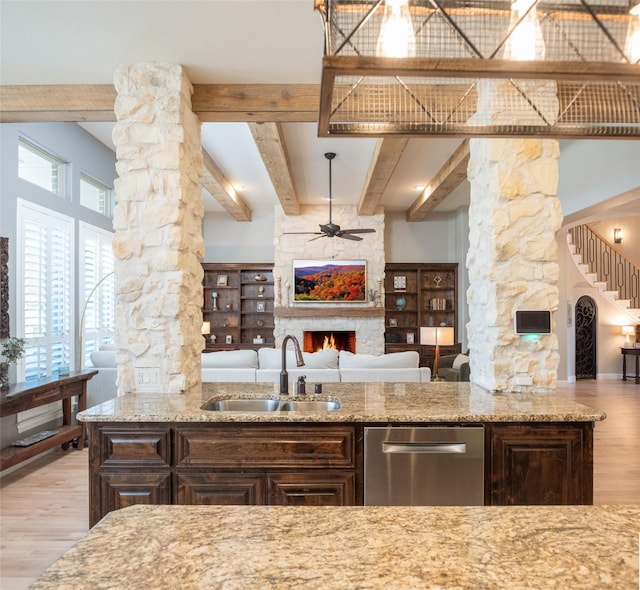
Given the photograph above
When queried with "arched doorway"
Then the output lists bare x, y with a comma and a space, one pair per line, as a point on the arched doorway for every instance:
586, 332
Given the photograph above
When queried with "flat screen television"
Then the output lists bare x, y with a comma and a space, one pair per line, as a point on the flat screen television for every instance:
532, 322
332, 281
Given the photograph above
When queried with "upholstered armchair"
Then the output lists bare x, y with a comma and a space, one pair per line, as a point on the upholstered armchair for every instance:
454, 367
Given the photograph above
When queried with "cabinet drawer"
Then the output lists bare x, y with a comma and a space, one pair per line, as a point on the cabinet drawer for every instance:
147, 447
271, 447
312, 488
220, 488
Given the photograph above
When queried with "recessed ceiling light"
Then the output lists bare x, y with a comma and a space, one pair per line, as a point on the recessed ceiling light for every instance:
419, 187
238, 188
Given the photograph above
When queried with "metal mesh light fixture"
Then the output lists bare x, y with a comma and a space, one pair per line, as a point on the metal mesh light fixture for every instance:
567, 69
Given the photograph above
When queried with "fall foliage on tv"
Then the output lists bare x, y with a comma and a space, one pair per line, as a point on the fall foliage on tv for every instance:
330, 282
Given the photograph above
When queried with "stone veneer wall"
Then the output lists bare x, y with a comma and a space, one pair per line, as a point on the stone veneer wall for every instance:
369, 331
514, 215
158, 240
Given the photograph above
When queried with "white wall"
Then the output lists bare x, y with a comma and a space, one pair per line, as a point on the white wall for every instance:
226, 240
596, 170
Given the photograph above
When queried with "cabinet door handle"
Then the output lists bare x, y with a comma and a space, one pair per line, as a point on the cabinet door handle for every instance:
422, 447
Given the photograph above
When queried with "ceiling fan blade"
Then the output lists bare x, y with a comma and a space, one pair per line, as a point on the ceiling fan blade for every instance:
301, 233
318, 237
347, 236
359, 231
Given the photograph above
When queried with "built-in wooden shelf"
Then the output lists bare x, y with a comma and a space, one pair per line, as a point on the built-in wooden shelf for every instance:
316, 311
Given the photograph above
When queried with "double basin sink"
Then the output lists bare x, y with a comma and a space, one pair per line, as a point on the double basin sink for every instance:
271, 405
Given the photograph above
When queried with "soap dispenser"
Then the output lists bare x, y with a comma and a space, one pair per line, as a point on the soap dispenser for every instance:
301, 386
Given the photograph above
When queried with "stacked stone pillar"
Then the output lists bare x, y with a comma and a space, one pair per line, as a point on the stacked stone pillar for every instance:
514, 215
158, 241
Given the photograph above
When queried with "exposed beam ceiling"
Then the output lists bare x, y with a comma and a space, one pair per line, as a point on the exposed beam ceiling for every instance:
264, 107
214, 182
384, 161
448, 178
270, 141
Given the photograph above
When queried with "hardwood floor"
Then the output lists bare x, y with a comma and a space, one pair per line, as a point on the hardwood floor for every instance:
44, 505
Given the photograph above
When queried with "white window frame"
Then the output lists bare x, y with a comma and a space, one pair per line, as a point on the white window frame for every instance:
107, 209
96, 291
52, 221
62, 182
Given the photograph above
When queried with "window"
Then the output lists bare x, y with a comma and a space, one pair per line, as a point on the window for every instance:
95, 195
97, 315
44, 265
41, 168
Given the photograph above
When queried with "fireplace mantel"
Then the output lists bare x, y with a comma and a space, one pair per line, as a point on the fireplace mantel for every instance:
316, 311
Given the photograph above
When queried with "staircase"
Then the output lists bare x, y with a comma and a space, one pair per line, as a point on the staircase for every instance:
606, 269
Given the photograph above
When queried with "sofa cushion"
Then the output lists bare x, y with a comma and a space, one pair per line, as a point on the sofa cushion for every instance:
409, 359
459, 361
103, 358
271, 358
230, 359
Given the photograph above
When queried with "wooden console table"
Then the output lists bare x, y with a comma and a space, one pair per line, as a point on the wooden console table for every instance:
632, 352
24, 396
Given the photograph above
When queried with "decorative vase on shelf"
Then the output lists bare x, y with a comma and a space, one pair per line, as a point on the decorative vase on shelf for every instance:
4, 376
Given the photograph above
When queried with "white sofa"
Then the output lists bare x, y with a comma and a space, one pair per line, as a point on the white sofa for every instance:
264, 365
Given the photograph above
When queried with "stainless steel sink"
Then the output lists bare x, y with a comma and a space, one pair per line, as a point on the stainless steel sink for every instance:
310, 406
270, 405
243, 405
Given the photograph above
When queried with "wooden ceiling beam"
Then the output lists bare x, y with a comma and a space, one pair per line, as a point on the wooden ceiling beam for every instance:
270, 141
215, 183
442, 185
211, 102
385, 158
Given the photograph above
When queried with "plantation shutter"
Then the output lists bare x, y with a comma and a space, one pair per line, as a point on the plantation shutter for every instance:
97, 289
45, 264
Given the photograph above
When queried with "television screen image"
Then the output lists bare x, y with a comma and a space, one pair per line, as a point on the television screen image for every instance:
337, 281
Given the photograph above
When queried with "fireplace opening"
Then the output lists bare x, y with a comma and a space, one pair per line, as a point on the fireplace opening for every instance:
315, 340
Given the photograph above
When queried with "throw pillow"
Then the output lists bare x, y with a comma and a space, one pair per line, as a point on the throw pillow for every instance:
459, 361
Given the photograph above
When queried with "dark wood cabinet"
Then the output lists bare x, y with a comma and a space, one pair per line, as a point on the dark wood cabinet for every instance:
238, 305
221, 464
420, 295
531, 464
313, 464
318, 488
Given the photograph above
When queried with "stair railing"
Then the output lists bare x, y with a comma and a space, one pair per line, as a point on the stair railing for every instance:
609, 265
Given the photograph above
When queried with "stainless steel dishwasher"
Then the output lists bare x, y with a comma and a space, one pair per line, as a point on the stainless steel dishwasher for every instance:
439, 466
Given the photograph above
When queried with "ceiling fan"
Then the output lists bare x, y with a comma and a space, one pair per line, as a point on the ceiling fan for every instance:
330, 230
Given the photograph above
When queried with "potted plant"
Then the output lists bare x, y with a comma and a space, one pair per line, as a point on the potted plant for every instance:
12, 350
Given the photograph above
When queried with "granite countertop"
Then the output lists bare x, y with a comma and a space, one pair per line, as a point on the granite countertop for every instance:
246, 547
360, 402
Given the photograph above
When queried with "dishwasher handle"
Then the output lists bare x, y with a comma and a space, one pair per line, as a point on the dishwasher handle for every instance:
423, 447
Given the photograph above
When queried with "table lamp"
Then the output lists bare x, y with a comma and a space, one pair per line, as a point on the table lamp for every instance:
627, 332
435, 336
206, 329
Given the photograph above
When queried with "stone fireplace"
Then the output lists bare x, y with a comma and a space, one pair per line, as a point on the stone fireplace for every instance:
315, 340
366, 322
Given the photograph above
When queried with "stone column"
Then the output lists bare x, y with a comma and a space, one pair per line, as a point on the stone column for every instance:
158, 241
514, 215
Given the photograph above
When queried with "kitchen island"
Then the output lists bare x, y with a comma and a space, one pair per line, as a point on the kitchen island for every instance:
446, 547
165, 449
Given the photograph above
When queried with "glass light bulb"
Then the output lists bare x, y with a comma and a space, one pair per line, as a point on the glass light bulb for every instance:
632, 44
525, 42
396, 38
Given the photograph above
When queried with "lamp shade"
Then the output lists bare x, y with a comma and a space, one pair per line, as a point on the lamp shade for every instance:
437, 336
206, 327
628, 330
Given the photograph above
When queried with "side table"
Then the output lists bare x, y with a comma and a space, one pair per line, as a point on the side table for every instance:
631, 352
24, 396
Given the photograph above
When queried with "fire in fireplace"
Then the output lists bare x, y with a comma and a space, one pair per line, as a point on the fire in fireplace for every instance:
315, 340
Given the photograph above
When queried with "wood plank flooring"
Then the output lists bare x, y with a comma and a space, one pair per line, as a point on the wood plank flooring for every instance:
44, 505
